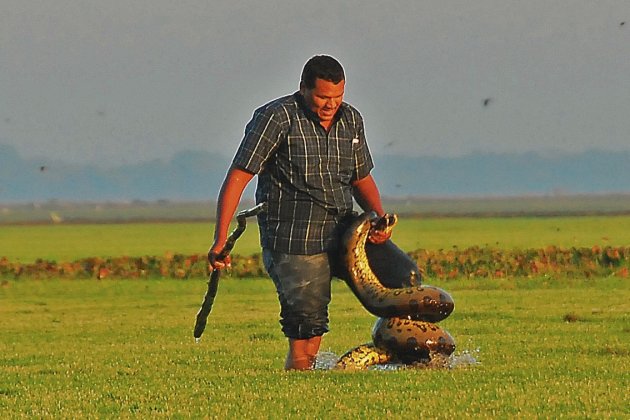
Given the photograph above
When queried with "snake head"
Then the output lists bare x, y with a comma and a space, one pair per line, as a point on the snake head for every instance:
385, 223
380, 229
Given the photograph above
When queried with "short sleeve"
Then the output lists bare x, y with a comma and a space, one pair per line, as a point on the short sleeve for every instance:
262, 137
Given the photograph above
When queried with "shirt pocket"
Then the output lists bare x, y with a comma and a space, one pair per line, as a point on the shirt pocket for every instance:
345, 150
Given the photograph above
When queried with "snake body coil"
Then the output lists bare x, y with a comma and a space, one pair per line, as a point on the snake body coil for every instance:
405, 331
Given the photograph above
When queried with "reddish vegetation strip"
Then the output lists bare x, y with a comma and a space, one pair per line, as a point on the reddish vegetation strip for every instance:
551, 261
475, 262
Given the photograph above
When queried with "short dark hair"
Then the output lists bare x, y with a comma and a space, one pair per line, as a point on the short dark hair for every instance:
321, 67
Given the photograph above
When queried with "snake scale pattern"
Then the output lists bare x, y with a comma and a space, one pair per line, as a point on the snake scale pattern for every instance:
405, 331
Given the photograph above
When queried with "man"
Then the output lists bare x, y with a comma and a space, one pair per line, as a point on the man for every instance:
310, 154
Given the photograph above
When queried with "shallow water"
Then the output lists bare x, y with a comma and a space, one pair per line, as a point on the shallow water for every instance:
326, 360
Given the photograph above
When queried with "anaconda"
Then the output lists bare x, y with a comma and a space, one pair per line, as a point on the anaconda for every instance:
405, 331
426, 303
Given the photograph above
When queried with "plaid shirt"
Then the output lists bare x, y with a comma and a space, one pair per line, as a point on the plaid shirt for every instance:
304, 173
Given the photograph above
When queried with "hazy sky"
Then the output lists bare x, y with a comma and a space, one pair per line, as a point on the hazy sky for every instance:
121, 81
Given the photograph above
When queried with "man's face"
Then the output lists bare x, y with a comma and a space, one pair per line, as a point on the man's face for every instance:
324, 99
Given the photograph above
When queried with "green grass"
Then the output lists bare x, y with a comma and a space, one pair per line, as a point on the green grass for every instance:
70, 242
75, 349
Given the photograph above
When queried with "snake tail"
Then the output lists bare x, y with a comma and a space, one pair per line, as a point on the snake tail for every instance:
364, 356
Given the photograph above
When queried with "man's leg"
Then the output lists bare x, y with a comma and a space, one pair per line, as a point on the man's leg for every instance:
303, 286
302, 353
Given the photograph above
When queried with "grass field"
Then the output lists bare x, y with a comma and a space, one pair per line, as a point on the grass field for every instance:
70, 242
76, 349
87, 348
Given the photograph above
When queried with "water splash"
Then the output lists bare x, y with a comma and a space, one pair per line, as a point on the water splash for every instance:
326, 360
464, 358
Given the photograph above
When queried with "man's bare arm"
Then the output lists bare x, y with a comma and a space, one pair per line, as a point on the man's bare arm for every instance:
230, 195
368, 197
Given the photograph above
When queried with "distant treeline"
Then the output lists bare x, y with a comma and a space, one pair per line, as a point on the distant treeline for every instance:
197, 176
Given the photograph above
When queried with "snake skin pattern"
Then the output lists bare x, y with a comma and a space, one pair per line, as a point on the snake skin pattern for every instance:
405, 331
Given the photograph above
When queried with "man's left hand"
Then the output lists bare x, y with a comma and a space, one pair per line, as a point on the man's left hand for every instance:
379, 236
381, 230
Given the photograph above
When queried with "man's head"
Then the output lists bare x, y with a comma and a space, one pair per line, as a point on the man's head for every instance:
321, 67
322, 86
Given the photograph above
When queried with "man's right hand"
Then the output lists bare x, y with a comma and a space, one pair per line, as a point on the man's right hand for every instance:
215, 260
235, 182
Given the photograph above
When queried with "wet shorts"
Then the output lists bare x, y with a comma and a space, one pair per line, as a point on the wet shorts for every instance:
303, 286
